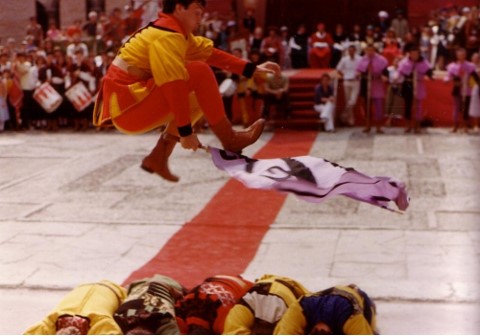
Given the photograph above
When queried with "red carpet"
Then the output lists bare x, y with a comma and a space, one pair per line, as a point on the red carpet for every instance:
224, 237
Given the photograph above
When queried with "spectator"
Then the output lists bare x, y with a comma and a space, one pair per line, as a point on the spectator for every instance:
90, 29
471, 31
285, 60
373, 69
391, 48
51, 73
5, 63
461, 72
237, 38
48, 46
114, 30
133, 21
74, 29
383, 23
474, 111
29, 44
271, 47
4, 113
27, 72
339, 39
80, 71
347, 68
394, 92
372, 38
35, 30
356, 35
424, 42
229, 85
299, 48
400, 24
53, 33
320, 44
325, 102
77, 44
276, 93
249, 21
413, 69
256, 40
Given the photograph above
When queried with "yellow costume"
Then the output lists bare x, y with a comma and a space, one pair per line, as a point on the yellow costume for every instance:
97, 302
264, 303
153, 75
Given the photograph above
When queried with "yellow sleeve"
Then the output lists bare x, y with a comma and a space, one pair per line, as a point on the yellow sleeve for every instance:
199, 48
357, 325
105, 326
239, 321
293, 322
167, 59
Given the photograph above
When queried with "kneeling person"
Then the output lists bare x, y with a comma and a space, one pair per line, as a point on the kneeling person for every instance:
263, 305
150, 307
205, 307
337, 310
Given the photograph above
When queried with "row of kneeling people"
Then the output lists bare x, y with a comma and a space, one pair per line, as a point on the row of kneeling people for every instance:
219, 305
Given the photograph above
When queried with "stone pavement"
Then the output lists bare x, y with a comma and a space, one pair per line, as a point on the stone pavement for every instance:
76, 208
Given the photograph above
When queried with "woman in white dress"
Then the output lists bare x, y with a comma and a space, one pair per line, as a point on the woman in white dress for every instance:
4, 115
474, 111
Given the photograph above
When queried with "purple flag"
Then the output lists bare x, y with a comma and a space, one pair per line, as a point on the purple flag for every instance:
311, 179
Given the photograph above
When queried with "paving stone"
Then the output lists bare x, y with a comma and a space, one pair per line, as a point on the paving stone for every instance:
87, 212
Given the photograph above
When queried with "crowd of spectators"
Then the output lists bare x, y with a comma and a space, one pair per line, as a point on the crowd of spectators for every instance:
82, 52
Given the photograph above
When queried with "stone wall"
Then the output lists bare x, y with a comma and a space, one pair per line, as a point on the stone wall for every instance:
71, 11
14, 18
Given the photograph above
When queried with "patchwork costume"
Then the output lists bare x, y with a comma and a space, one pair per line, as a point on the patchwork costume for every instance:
150, 305
205, 308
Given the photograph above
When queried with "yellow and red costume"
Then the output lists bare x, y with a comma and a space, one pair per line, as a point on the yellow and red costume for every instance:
162, 74
205, 308
94, 303
259, 310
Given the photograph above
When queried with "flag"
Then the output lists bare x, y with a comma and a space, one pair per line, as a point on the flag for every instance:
311, 179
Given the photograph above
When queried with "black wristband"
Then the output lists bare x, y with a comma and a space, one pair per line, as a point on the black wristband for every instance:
249, 70
185, 131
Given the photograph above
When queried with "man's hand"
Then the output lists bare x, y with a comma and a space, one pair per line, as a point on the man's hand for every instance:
190, 142
268, 68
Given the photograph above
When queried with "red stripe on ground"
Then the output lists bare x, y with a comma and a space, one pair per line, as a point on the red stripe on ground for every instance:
224, 237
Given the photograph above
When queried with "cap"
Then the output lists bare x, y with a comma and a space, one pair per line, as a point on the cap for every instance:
383, 14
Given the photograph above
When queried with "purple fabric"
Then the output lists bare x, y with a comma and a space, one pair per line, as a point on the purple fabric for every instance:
379, 63
455, 69
377, 105
311, 179
406, 67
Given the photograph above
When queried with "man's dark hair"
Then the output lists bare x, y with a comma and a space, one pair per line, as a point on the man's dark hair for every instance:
169, 5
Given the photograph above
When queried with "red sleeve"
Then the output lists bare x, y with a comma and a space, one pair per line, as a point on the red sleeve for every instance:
225, 61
